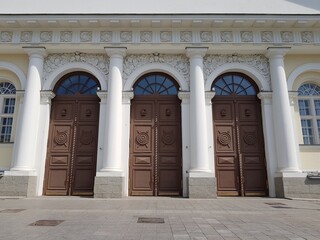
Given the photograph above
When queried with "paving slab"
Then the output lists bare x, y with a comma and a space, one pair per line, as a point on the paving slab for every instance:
196, 219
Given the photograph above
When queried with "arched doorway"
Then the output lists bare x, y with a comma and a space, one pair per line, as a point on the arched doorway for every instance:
155, 143
239, 146
73, 136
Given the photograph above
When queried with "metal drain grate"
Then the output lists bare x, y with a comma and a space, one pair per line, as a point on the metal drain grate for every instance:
12, 210
150, 220
50, 223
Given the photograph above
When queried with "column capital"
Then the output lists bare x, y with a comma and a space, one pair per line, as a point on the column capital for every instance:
127, 96
265, 97
46, 96
114, 51
277, 51
39, 51
208, 96
103, 96
293, 95
184, 96
196, 51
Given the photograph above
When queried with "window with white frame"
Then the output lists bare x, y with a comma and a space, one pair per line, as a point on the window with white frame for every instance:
7, 105
309, 109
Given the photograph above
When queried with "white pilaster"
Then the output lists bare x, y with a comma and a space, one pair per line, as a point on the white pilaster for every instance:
198, 119
185, 127
113, 135
27, 133
269, 139
282, 117
208, 98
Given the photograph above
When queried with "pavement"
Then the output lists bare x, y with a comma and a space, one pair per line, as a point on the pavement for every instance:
158, 218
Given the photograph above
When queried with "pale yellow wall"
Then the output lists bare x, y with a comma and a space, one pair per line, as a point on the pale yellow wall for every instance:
294, 61
310, 158
5, 155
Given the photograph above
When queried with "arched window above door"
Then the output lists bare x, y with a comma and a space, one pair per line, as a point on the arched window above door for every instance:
78, 82
233, 84
156, 83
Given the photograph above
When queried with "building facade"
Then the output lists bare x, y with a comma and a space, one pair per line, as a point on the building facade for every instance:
192, 101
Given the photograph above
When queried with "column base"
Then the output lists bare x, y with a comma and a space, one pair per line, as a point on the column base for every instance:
108, 185
201, 185
296, 185
18, 184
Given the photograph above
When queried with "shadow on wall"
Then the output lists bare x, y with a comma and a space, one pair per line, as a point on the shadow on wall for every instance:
312, 4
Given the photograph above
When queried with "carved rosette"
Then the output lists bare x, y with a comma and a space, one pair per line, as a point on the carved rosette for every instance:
133, 62
26, 36
250, 138
286, 36
259, 62
146, 36
246, 36
106, 36
267, 36
61, 138
168, 137
85, 36
45, 36
6, 36
165, 36
307, 37
86, 137
206, 36
142, 138
226, 36
66, 36
224, 138
55, 61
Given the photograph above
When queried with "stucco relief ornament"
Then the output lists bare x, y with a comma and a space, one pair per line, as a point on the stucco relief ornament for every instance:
307, 37
287, 36
45, 36
186, 36
206, 36
66, 36
26, 36
259, 62
165, 36
55, 61
246, 36
85, 36
6, 36
133, 62
226, 36
106, 36
126, 36
267, 36
146, 36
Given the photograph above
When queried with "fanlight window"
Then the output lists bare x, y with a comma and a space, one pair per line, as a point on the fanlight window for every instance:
81, 83
233, 84
7, 106
156, 84
309, 109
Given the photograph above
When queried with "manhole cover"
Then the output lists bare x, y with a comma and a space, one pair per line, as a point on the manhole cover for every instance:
46, 223
150, 220
275, 203
12, 210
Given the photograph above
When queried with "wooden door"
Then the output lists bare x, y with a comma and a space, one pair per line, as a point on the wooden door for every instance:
155, 146
239, 146
72, 146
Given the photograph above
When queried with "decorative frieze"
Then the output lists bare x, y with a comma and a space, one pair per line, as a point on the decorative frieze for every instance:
133, 62
55, 61
259, 62
154, 36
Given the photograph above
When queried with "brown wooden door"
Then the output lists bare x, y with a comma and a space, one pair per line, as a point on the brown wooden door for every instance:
155, 146
72, 146
239, 146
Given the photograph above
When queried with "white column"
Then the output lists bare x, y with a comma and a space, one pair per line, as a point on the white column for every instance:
185, 127
112, 147
269, 139
198, 119
27, 133
282, 117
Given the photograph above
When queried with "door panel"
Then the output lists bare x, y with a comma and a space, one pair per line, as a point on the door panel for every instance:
239, 146
72, 146
155, 146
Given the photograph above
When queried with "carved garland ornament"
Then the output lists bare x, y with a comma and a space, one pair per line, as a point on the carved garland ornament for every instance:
55, 61
259, 62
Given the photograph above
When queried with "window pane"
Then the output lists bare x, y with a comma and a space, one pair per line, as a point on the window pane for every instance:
317, 107
304, 107
318, 123
8, 105
7, 88
307, 132
309, 89
156, 84
6, 127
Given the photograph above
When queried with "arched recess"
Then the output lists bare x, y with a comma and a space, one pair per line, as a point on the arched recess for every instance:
155, 163
239, 144
58, 73
262, 83
310, 67
155, 67
73, 136
16, 70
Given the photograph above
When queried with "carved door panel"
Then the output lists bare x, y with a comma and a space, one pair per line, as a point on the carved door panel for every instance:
72, 146
155, 146
239, 146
